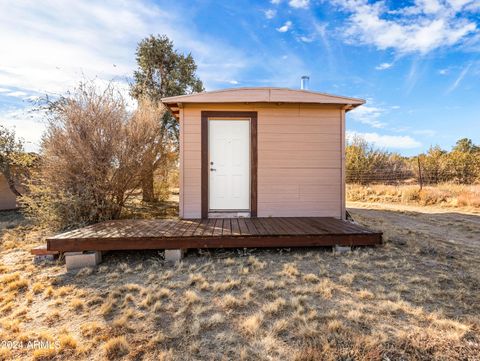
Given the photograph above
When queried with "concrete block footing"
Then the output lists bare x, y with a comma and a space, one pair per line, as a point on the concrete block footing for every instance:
44, 258
76, 260
174, 255
342, 249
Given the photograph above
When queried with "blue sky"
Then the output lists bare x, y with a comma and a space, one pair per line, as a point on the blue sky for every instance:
417, 63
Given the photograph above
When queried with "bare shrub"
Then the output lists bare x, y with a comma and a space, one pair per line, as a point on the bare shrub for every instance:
92, 157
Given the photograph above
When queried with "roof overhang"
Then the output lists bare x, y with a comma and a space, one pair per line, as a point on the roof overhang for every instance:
260, 95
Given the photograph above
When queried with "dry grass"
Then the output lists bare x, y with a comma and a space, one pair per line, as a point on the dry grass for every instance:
116, 348
415, 298
447, 195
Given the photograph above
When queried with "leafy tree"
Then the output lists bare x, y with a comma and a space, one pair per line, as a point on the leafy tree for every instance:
162, 72
465, 145
464, 161
433, 165
14, 161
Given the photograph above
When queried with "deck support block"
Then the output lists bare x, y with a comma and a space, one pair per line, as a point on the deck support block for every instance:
342, 249
44, 258
76, 260
174, 255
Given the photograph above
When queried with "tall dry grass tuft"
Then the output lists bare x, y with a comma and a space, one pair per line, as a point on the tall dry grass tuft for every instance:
116, 348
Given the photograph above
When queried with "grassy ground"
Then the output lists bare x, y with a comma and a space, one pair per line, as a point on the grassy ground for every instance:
416, 298
445, 195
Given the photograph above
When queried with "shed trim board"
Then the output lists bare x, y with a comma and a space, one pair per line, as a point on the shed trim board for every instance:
205, 116
342, 162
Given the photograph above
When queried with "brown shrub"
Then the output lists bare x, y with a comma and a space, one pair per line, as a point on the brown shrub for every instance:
92, 157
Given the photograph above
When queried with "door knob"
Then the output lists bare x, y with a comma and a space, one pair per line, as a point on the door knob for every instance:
212, 169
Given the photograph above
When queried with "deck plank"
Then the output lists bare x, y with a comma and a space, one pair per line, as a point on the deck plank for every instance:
235, 227
192, 226
252, 230
268, 225
260, 227
218, 229
243, 226
292, 226
209, 228
281, 228
201, 228
227, 227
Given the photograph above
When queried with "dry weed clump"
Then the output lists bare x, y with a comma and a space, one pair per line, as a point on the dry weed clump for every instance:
251, 324
191, 297
226, 285
290, 270
116, 347
91, 329
274, 307
230, 302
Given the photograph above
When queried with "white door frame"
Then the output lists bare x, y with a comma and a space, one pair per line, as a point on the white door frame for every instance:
245, 119
229, 114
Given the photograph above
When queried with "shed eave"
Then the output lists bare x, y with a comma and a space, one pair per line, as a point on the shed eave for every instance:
263, 95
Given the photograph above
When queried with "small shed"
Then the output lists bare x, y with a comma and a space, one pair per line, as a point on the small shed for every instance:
8, 200
259, 167
262, 152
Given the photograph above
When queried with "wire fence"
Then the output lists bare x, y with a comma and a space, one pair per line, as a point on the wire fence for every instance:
387, 176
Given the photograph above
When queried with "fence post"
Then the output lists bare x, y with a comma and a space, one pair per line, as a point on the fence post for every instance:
420, 178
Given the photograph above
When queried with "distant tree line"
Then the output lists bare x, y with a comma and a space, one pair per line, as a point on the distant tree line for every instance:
366, 164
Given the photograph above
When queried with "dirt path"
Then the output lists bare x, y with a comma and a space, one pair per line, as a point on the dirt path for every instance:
449, 226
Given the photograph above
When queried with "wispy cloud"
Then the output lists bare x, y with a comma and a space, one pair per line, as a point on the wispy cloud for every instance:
425, 132
414, 73
299, 4
17, 94
421, 28
459, 79
384, 66
318, 32
368, 115
270, 13
285, 27
387, 141
306, 39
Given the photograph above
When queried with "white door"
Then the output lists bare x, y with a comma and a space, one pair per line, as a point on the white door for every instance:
229, 164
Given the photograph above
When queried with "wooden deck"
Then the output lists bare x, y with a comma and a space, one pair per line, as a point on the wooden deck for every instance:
213, 233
